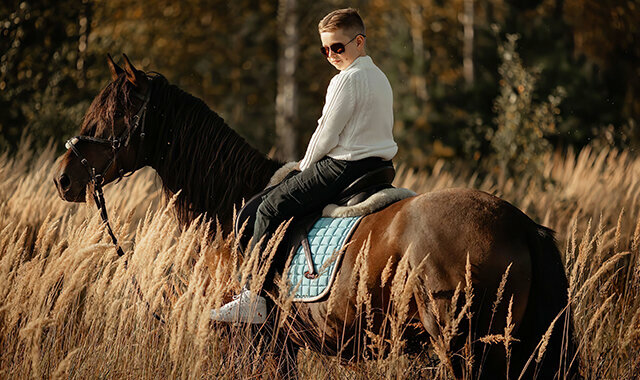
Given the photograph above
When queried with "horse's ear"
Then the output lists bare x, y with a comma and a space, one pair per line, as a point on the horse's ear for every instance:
133, 75
114, 68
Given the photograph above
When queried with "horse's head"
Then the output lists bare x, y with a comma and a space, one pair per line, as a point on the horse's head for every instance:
111, 135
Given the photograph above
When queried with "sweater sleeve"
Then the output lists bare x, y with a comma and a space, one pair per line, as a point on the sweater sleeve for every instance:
338, 109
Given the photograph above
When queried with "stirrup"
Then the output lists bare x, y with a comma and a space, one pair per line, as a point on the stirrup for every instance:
245, 308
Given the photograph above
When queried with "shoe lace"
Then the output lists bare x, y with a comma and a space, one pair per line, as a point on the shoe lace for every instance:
239, 295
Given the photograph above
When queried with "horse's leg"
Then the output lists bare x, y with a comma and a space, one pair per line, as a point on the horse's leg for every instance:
491, 236
488, 360
547, 301
281, 350
277, 345
433, 314
287, 358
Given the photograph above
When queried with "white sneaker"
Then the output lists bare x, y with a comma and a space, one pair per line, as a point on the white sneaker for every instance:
242, 309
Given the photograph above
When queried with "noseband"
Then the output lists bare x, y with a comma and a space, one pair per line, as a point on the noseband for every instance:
116, 145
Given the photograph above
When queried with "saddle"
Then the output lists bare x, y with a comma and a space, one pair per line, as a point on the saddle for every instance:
357, 192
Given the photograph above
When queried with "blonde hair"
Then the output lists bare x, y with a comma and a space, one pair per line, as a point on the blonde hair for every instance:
346, 19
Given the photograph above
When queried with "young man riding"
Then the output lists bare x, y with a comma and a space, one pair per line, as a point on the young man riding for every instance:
353, 136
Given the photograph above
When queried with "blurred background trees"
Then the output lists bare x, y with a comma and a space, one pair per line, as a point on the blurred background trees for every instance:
573, 77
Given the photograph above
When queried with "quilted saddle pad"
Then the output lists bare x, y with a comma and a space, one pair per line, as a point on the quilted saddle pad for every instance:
326, 237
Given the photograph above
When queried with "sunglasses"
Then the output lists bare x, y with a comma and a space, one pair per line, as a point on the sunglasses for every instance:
338, 47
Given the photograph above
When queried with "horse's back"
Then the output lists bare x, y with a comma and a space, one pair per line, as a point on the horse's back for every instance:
447, 225
440, 228
436, 233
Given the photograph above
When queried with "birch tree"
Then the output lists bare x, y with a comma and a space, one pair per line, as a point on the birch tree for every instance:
468, 21
286, 98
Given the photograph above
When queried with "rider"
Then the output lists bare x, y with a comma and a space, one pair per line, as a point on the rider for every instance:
353, 136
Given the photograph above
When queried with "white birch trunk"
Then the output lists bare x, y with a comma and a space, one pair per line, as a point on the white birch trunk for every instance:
468, 21
286, 98
417, 30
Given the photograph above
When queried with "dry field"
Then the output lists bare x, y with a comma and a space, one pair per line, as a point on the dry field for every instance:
68, 307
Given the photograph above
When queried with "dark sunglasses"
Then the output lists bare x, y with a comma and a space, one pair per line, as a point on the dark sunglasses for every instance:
338, 47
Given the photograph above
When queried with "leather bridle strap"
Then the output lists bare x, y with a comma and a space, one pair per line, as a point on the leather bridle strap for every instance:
98, 197
98, 179
115, 144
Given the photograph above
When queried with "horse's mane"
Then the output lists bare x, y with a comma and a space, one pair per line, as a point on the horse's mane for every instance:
201, 156
191, 147
99, 121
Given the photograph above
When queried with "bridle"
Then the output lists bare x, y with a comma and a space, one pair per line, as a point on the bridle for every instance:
97, 180
116, 145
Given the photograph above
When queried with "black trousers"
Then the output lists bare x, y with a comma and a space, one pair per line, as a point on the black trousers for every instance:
307, 192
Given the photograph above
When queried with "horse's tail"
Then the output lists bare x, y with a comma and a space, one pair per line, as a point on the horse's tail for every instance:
547, 304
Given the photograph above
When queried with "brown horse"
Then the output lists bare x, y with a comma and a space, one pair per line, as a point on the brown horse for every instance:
142, 120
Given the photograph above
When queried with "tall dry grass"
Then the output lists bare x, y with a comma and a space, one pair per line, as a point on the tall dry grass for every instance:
70, 309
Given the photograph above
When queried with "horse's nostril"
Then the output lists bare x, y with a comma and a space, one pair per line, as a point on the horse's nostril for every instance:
64, 181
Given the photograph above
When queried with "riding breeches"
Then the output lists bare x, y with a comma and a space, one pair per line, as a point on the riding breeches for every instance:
307, 192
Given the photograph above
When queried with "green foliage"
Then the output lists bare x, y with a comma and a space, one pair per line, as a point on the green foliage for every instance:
220, 51
519, 141
42, 84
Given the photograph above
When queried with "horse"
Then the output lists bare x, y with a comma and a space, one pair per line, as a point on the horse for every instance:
450, 237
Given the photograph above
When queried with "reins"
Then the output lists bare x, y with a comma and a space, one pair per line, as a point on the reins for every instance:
98, 179
115, 144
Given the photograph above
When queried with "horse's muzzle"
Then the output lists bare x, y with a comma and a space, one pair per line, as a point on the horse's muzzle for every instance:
65, 191
63, 182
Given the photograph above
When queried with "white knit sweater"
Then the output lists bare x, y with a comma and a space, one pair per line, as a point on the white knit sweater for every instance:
357, 118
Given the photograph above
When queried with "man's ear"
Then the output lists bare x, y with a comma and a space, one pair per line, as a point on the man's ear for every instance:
114, 68
136, 77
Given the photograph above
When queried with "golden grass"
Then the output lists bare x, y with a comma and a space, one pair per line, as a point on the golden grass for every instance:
69, 307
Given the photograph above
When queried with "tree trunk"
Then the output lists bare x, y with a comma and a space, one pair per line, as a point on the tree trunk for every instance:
417, 30
84, 21
468, 21
286, 98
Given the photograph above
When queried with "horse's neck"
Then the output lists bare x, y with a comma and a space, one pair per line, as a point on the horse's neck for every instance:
210, 164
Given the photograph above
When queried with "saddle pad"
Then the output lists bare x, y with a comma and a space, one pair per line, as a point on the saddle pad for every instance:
326, 237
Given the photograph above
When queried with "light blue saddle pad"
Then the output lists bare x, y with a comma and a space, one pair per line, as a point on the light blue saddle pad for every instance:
327, 236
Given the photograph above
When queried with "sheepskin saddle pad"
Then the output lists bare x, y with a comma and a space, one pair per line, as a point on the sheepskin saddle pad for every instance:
318, 240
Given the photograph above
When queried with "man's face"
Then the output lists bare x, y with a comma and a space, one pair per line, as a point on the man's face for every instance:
352, 50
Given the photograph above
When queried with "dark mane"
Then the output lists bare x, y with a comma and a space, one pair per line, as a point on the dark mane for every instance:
191, 148
196, 153
99, 121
